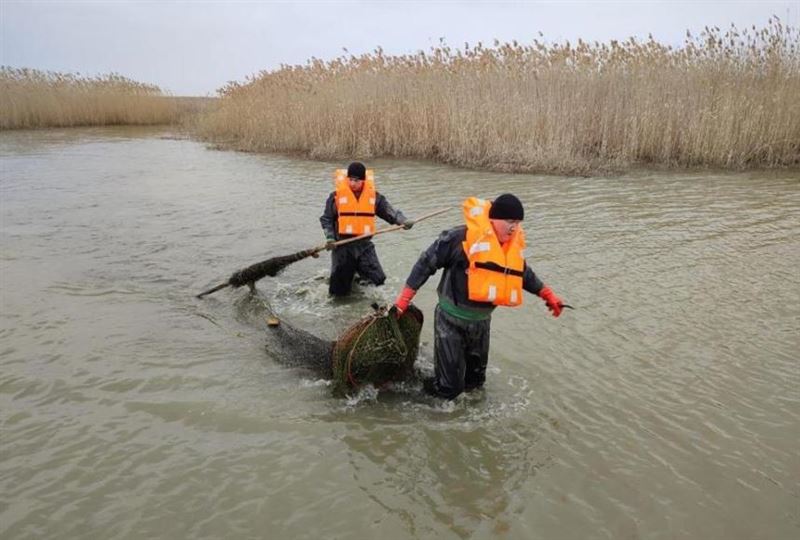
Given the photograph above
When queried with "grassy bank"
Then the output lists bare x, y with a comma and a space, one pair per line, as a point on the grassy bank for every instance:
723, 99
33, 99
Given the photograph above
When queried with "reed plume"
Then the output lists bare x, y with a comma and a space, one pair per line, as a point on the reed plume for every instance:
722, 99
30, 98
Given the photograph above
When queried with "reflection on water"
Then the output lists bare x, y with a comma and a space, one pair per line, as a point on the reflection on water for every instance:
471, 481
665, 405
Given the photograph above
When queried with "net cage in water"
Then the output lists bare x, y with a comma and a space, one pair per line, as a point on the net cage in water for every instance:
379, 349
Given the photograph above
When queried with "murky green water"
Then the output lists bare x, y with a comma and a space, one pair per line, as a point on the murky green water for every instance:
665, 406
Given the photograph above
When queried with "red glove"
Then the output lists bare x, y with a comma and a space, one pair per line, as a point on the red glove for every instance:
554, 303
403, 299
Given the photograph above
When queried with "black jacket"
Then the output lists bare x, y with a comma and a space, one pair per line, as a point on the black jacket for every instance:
448, 252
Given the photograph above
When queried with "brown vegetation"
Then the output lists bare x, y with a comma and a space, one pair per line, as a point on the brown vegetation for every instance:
31, 99
721, 100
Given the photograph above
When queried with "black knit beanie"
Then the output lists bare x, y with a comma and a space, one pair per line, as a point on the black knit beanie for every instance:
506, 206
357, 170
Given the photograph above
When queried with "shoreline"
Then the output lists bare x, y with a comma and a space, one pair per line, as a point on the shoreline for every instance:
180, 132
600, 171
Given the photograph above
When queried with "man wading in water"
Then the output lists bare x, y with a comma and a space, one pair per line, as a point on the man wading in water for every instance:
350, 211
484, 267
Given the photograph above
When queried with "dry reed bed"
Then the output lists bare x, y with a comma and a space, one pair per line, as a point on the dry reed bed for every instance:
727, 100
31, 98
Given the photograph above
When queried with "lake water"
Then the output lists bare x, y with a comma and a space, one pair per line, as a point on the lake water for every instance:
665, 406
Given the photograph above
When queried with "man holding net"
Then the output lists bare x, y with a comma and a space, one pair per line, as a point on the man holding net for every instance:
484, 267
350, 211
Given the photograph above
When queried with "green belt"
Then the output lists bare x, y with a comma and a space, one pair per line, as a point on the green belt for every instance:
467, 314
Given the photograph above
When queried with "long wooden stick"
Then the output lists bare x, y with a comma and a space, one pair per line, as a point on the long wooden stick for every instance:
380, 231
276, 264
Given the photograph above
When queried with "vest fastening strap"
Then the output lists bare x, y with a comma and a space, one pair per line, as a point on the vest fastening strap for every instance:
494, 267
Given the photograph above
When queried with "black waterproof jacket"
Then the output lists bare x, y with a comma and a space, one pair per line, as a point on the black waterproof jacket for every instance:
447, 252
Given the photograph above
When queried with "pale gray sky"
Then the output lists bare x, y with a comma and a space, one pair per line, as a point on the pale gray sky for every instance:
193, 47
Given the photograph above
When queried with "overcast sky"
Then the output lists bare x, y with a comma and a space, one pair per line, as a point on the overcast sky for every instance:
193, 47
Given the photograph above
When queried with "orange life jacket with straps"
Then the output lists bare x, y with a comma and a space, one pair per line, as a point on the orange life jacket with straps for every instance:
495, 271
356, 214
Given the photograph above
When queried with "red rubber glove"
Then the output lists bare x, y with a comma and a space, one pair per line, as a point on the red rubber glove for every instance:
403, 299
554, 303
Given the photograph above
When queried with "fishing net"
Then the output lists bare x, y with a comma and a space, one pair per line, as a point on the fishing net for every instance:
270, 267
301, 349
378, 349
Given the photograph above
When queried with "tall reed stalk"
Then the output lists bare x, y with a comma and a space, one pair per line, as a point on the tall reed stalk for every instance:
31, 98
729, 100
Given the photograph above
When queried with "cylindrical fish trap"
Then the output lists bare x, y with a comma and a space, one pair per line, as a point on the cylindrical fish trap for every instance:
378, 349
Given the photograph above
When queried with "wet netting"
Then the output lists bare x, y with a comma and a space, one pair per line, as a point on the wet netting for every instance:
378, 349
270, 267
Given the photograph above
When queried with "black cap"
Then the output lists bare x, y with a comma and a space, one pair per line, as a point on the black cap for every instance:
357, 170
506, 206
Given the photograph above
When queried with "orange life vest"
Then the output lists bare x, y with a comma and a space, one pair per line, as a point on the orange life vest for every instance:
495, 271
356, 214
